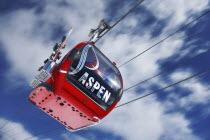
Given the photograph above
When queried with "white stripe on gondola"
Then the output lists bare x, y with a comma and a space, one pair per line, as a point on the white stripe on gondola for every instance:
62, 71
83, 60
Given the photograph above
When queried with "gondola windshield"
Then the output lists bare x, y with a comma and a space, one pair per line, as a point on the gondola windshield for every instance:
96, 76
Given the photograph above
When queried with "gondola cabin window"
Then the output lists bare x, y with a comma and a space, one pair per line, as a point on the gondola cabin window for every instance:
96, 76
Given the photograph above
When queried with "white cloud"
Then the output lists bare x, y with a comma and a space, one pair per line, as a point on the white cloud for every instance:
139, 120
25, 40
146, 119
18, 131
199, 91
72, 136
177, 10
176, 127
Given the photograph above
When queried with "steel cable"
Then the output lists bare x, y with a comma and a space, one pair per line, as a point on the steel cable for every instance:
161, 89
164, 39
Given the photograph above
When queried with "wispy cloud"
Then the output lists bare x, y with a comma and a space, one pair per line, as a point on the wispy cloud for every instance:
14, 131
199, 90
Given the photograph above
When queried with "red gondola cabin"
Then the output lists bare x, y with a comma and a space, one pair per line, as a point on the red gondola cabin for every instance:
79, 91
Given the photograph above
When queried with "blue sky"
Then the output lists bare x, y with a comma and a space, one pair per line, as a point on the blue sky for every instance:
29, 29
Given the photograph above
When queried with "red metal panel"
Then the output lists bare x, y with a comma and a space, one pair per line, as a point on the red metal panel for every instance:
62, 110
86, 101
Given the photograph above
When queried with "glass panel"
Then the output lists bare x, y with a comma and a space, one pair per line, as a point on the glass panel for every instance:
96, 76
91, 60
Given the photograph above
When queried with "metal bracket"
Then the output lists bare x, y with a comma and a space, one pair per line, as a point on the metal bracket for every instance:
84, 127
96, 33
43, 75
